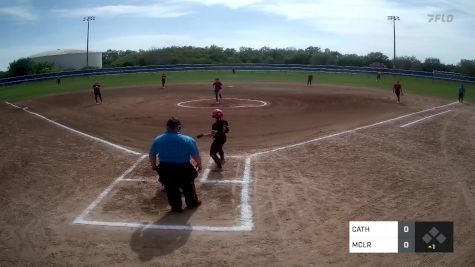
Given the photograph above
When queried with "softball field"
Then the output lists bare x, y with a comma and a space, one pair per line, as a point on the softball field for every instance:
77, 189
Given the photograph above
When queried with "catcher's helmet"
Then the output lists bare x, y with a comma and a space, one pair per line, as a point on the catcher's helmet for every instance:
217, 114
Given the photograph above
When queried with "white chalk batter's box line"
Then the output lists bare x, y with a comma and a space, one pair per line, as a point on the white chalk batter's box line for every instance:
246, 222
205, 176
246, 211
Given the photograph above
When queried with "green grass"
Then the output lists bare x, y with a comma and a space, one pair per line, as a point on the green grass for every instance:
411, 85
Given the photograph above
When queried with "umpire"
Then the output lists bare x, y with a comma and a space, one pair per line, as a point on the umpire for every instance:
174, 151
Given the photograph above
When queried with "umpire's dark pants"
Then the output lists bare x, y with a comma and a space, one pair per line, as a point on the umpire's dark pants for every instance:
176, 176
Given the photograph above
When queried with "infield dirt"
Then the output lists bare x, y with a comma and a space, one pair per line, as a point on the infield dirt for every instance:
302, 198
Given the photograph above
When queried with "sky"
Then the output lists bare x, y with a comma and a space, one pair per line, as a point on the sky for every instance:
358, 27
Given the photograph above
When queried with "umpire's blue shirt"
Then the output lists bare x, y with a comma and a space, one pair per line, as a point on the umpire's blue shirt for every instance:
173, 147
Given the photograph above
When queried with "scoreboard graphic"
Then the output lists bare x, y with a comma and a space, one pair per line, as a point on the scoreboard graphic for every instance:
400, 236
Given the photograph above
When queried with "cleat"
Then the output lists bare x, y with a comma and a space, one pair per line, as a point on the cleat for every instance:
198, 203
178, 210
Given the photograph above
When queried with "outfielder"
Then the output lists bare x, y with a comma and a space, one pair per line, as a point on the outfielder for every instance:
461, 93
218, 88
309, 79
164, 79
219, 129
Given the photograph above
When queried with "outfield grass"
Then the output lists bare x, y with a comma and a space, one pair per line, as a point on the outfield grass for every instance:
411, 85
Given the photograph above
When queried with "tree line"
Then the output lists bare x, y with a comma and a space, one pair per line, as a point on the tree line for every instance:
216, 55
27, 66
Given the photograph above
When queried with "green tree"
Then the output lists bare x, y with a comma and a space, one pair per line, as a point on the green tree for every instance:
377, 57
467, 67
350, 60
22, 66
408, 63
45, 67
311, 55
431, 64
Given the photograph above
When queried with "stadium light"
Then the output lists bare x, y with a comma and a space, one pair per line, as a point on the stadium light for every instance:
394, 18
87, 45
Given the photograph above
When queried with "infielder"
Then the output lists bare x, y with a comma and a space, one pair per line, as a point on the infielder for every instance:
97, 91
219, 129
397, 89
218, 88
174, 151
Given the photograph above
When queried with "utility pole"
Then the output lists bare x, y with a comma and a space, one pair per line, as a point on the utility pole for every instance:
87, 43
394, 18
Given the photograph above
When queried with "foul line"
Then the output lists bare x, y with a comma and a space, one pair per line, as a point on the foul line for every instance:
76, 131
348, 131
246, 220
425, 118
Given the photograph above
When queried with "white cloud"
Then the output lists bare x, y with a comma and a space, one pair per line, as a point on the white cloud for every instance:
361, 26
20, 13
151, 11
227, 3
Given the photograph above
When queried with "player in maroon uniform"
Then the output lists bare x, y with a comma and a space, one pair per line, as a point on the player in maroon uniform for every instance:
164, 79
97, 91
397, 89
218, 88
309, 79
218, 131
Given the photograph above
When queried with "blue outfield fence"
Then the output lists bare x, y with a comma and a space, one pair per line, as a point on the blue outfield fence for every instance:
240, 67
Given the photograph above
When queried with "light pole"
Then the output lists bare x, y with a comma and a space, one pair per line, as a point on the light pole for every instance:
87, 45
394, 18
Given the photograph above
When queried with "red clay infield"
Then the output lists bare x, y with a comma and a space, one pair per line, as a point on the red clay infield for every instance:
302, 198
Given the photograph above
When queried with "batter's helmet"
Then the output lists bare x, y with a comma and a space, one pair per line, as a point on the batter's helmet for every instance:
217, 114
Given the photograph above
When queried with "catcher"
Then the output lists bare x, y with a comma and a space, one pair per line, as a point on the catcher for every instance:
219, 129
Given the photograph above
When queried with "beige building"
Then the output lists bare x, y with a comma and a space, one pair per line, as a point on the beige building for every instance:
70, 58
